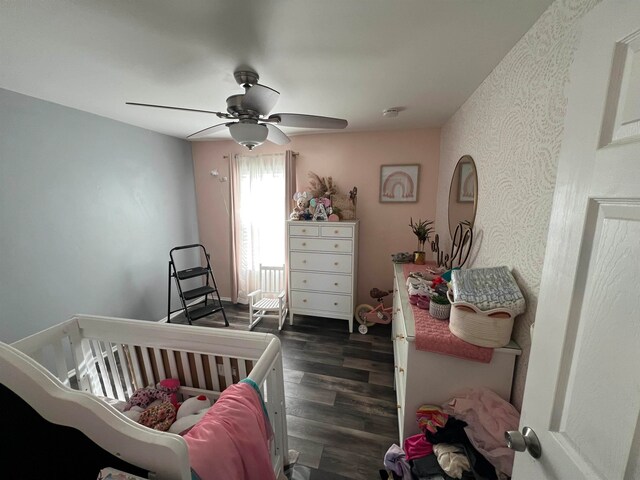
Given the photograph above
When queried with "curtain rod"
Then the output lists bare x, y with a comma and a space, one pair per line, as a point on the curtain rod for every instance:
295, 154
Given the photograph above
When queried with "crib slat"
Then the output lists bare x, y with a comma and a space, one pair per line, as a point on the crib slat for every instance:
124, 364
86, 368
213, 367
135, 364
61, 365
200, 370
105, 389
173, 366
186, 369
228, 375
79, 360
242, 369
113, 369
148, 370
157, 354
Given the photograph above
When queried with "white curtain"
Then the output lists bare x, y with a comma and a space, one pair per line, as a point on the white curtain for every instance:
258, 183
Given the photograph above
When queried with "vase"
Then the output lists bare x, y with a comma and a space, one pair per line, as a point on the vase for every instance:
439, 311
419, 258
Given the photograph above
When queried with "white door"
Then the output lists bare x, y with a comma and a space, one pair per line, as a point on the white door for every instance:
582, 396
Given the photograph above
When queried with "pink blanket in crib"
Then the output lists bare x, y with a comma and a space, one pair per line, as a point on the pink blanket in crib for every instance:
232, 440
433, 335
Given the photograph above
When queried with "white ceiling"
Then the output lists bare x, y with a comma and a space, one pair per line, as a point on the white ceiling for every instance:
342, 58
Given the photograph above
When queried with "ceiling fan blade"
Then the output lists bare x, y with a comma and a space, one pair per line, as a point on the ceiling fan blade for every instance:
260, 99
206, 131
307, 121
276, 135
173, 108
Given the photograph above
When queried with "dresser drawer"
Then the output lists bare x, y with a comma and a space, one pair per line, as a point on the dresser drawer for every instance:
304, 230
337, 231
323, 262
321, 245
398, 328
321, 281
401, 350
321, 301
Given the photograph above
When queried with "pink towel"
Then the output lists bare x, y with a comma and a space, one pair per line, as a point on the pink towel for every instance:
433, 335
232, 439
417, 446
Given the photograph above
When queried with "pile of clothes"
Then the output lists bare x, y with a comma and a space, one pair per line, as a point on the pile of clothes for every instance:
462, 439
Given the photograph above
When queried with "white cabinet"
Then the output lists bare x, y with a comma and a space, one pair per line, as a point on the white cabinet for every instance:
323, 267
432, 378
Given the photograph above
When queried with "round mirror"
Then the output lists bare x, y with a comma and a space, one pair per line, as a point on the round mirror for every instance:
463, 194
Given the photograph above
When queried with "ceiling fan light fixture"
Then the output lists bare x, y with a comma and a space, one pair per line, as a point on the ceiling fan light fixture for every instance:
390, 113
249, 135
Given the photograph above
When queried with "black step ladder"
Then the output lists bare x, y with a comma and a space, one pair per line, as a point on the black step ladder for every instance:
204, 307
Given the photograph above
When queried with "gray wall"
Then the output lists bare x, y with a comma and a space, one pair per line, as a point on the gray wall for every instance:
89, 209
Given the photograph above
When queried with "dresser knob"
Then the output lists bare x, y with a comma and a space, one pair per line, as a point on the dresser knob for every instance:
336, 284
304, 261
335, 303
304, 281
304, 244
336, 245
335, 263
304, 230
335, 231
304, 300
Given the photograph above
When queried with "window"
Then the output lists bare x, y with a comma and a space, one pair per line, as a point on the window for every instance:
260, 217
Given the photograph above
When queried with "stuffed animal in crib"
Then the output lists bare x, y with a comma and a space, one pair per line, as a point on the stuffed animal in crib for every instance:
164, 391
189, 413
171, 387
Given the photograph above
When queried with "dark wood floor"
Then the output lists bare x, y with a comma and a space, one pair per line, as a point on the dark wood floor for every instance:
341, 406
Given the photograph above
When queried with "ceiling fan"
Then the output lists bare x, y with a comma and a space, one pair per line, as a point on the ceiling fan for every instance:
247, 116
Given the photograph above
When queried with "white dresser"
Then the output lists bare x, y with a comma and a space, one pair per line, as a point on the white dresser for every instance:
323, 267
433, 378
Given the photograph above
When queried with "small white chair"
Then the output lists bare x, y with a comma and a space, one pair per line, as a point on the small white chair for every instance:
270, 300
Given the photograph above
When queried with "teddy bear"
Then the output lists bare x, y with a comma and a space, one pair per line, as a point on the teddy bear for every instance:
300, 210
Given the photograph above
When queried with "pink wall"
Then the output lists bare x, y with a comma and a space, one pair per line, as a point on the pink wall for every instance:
352, 159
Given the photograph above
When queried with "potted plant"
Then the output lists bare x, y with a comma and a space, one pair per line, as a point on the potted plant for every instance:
422, 229
439, 307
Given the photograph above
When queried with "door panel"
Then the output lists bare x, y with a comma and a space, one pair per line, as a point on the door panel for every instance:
582, 396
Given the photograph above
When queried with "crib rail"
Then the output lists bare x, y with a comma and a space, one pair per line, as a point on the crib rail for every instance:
112, 357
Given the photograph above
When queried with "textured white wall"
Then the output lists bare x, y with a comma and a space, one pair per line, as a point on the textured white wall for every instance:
512, 126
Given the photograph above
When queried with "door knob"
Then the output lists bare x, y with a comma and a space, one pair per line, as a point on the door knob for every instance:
527, 440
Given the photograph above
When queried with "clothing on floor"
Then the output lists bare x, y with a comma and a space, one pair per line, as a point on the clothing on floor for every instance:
487, 416
417, 446
452, 459
395, 461
453, 433
430, 418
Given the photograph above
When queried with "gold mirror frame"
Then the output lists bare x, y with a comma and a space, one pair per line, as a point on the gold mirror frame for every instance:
463, 193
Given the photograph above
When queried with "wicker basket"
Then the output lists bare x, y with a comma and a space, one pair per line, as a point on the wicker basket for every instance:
491, 328
441, 312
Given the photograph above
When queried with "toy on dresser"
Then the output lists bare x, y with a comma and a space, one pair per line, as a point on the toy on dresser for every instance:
484, 302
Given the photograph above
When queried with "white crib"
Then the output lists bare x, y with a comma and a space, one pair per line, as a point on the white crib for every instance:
61, 371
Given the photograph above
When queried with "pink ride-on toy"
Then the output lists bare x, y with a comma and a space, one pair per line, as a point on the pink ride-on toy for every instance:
368, 316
